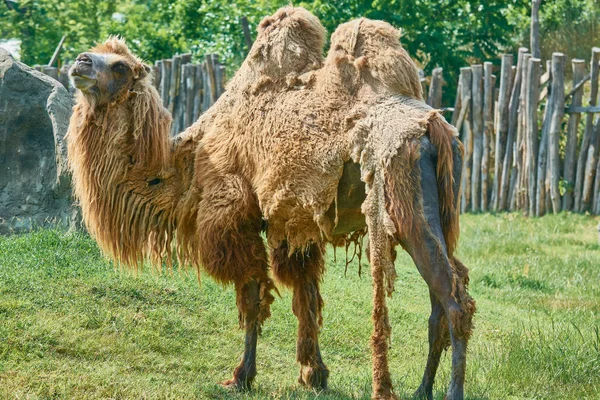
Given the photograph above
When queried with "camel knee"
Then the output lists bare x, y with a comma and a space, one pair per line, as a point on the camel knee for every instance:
462, 308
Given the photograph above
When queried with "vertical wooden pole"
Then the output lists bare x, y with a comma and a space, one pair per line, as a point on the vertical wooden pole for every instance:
434, 99
174, 85
590, 170
488, 131
157, 73
467, 137
52, 72
558, 112
519, 196
571, 147
506, 78
247, 35
165, 81
535, 29
477, 132
596, 200
457, 102
532, 96
588, 133
211, 78
199, 91
189, 73
512, 130
63, 75
542, 169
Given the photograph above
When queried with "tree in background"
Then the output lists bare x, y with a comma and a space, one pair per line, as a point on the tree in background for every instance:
445, 33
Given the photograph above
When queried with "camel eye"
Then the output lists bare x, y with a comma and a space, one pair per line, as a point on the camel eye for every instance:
120, 68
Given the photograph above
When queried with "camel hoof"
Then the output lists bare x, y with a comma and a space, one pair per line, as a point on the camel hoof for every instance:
387, 396
423, 394
314, 377
236, 385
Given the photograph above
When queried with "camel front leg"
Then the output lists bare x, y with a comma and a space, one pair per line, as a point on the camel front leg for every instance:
303, 272
245, 372
231, 250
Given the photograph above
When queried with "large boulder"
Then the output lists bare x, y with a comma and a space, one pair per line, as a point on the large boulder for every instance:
34, 116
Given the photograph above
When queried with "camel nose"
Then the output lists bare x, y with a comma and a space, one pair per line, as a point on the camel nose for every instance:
84, 59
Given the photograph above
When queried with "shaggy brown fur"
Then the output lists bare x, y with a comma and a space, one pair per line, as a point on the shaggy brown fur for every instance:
270, 154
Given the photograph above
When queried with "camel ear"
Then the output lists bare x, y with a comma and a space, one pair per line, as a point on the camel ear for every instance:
146, 70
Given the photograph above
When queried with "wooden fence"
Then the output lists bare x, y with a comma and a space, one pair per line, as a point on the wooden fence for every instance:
524, 149
186, 89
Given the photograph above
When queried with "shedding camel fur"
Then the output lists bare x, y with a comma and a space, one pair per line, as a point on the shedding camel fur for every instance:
305, 149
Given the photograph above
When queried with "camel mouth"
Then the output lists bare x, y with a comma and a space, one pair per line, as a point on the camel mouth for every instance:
82, 82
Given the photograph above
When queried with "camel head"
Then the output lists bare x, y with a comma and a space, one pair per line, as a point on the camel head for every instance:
108, 72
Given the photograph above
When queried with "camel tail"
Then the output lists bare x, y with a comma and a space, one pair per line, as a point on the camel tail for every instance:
449, 166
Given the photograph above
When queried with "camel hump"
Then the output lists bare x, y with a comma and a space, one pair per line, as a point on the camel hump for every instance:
374, 48
288, 42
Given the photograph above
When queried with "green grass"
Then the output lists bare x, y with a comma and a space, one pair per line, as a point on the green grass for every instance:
73, 327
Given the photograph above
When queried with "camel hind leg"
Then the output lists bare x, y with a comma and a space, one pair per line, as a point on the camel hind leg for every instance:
303, 271
447, 279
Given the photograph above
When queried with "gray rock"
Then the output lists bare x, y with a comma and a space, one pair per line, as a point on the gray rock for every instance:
34, 116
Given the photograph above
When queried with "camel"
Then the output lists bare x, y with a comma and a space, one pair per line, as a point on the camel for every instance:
305, 150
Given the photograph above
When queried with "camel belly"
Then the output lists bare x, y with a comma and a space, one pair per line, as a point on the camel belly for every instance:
350, 196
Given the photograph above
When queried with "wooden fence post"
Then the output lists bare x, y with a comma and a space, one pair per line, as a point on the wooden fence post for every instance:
189, 74
512, 128
467, 137
199, 92
247, 35
457, 103
506, 79
434, 99
211, 78
518, 198
540, 196
571, 147
52, 72
157, 73
63, 75
532, 96
588, 133
488, 131
558, 112
165, 81
477, 133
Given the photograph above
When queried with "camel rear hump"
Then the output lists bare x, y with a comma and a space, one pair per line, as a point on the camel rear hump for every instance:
374, 48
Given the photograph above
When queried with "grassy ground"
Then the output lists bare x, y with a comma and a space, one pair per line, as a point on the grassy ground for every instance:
72, 327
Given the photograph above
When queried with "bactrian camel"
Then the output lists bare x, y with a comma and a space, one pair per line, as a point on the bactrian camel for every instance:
306, 150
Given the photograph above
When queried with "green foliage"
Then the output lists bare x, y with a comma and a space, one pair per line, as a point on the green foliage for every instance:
568, 26
446, 33
73, 327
